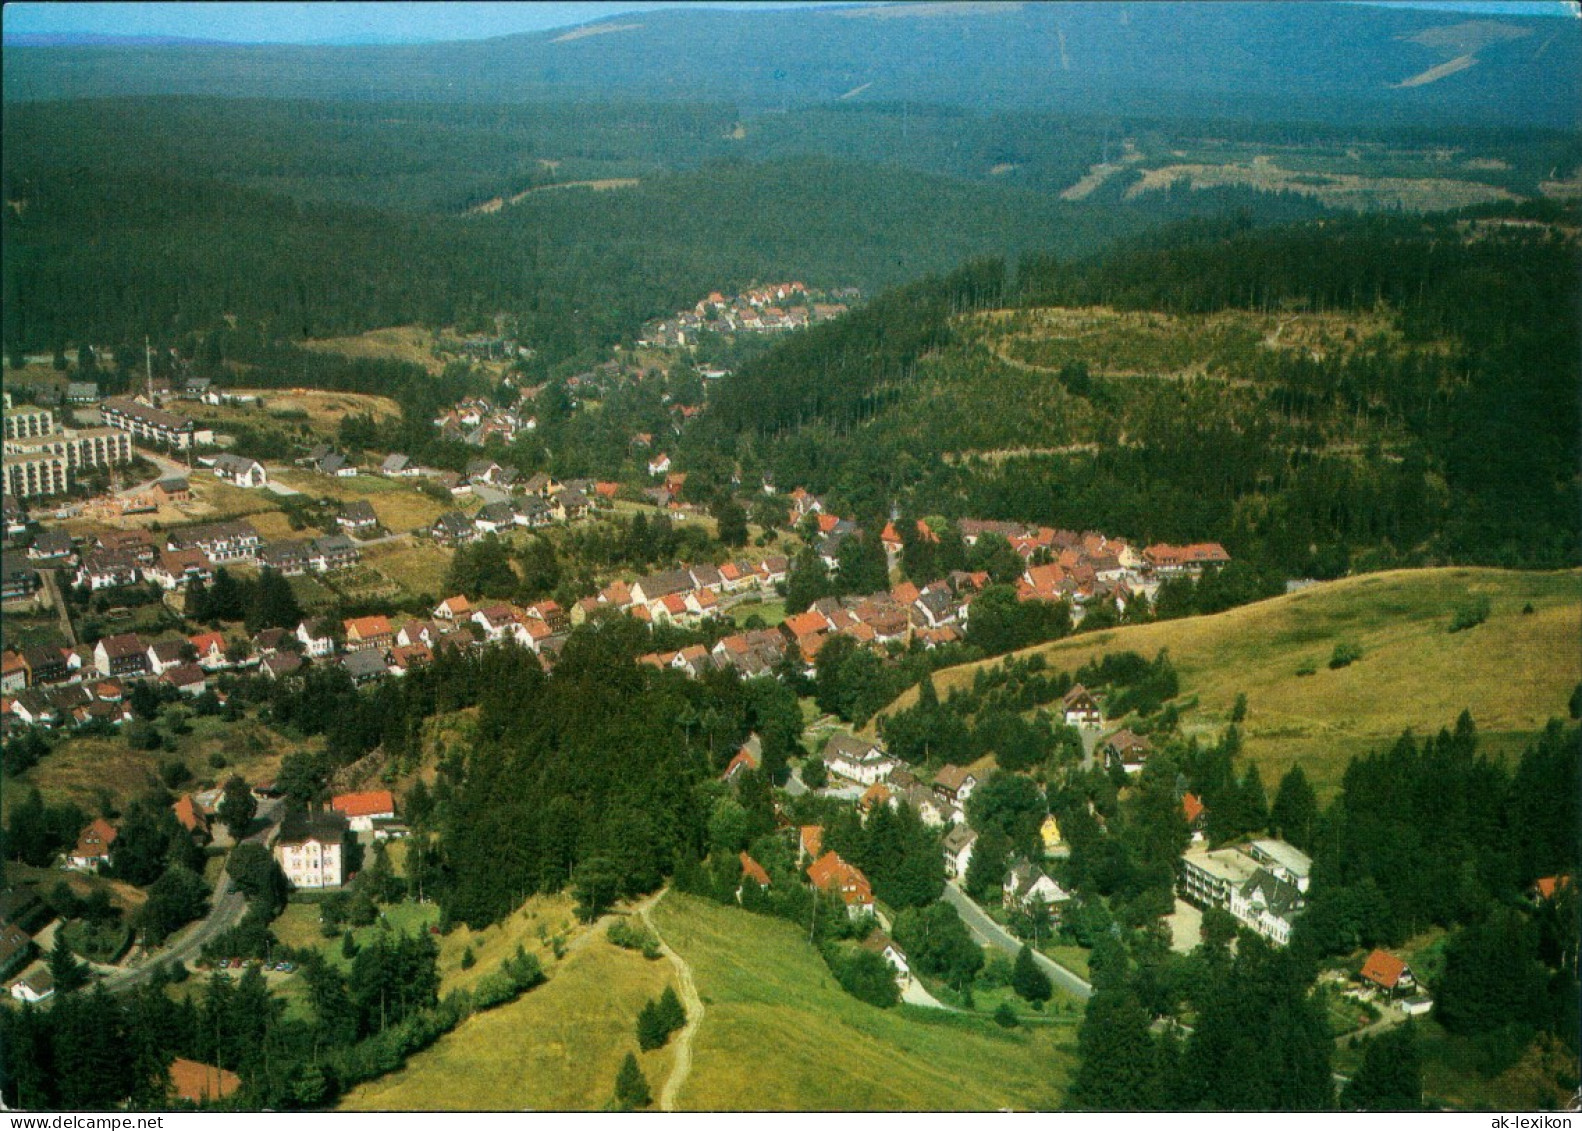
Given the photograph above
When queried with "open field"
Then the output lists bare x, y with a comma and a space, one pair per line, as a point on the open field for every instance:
399, 505
1514, 672
557, 1048
1130, 343
418, 567
781, 1035
1338, 190
403, 343
773, 612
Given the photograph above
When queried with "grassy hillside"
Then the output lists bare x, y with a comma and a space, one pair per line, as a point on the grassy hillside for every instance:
555, 1049
780, 1035
1513, 672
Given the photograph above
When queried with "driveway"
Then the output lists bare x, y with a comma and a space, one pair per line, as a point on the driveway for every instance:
987, 931
226, 908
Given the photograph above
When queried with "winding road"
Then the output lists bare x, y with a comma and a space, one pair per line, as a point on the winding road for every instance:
226, 908
987, 931
689, 999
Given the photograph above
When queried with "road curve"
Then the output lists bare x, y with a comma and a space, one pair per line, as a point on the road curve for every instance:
987, 931
226, 908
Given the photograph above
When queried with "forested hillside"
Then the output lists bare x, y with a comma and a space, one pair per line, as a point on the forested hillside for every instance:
1433, 420
105, 243
1247, 61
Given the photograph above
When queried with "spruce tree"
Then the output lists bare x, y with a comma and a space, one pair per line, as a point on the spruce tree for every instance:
631, 1088
651, 1031
671, 1012
1029, 982
67, 972
1390, 1077
1295, 810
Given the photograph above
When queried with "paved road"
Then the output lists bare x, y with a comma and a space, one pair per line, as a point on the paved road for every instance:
168, 469
914, 993
991, 933
226, 908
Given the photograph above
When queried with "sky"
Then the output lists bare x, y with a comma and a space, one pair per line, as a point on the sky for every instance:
349, 21
327, 22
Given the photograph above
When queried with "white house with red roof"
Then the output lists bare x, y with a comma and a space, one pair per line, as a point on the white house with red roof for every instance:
361, 810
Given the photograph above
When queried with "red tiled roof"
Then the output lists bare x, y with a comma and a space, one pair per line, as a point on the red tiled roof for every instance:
191, 818
366, 628
812, 839
1383, 969
96, 840
1191, 807
371, 803
830, 873
1549, 885
754, 871
201, 1083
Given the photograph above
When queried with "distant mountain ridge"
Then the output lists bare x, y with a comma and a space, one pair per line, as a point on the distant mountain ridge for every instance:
1287, 61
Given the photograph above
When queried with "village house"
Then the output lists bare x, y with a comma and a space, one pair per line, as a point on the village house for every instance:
366, 665
368, 633
1386, 972
235, 541
398, 466
361, 810
191, 817
37, 986
1168, 560
95, 845
453, 529
176, 569
332, 552
829, 873
240, 471
13, 671
174, 490
196, 1083
754, 871
1127, 750
54, 547
749, 757
857, 759
810, 843
494, 517
954, 784
16, 949
317, 637
105, 569
310, 849
1081, 708
280, 664
884, 946
958, 850
123, 654
358, 518
166, 654
1026, 886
